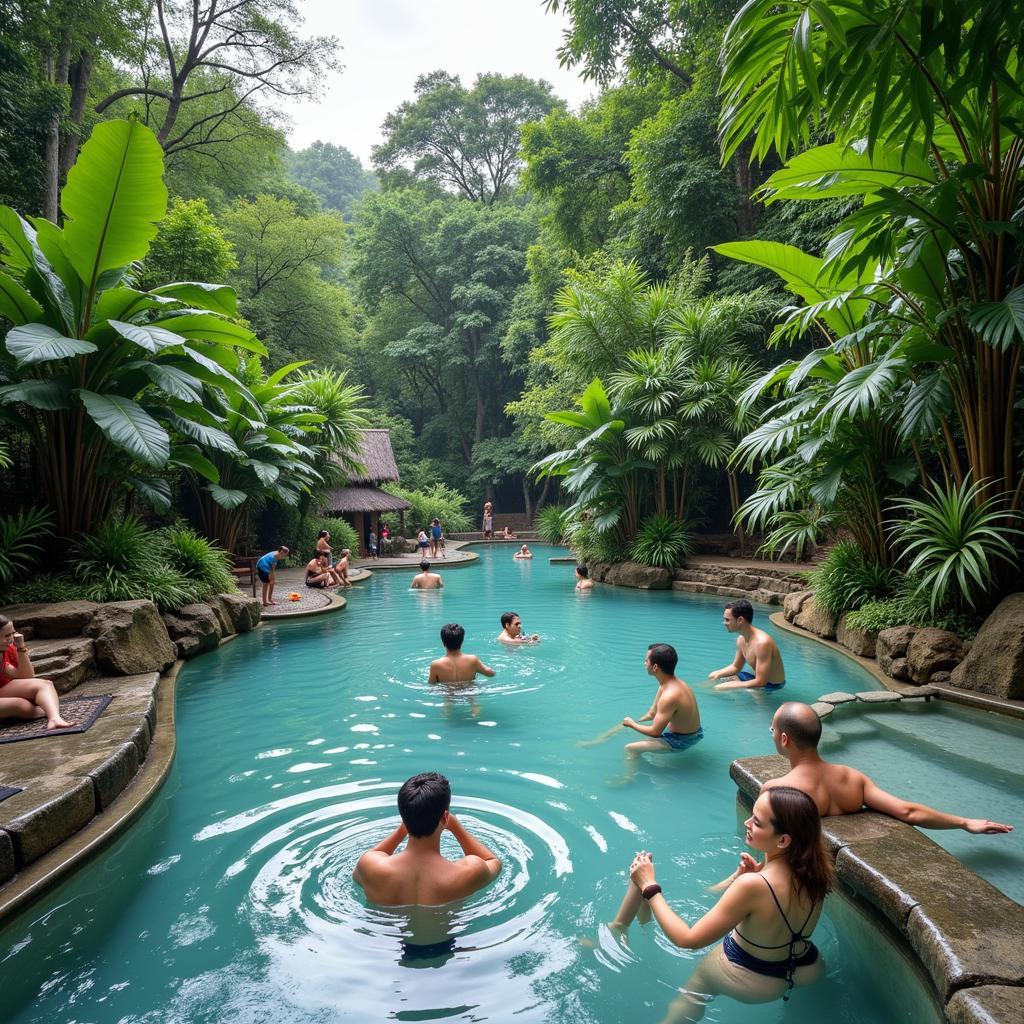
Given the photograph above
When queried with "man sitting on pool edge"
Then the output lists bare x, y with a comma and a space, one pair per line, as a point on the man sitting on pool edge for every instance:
839, 789
420, 874
755, 648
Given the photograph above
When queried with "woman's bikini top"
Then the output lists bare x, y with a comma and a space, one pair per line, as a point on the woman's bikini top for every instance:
795, 936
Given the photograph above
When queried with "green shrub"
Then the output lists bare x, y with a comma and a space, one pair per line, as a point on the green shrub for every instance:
845, 580
662, 540
552, 523
205, 565
910, 606
591, 545
46, 590
19, 549
437, 502
303, 544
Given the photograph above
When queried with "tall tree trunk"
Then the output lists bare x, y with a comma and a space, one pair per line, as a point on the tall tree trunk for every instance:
81, 73
528, 506
57, 72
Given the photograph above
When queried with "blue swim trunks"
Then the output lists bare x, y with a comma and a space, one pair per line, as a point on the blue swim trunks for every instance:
747, 676
681, 740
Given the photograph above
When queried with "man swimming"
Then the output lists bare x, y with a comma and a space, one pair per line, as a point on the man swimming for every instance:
512, 630
523, 552
674, 716
754, 647
420, 874
454, 666
425, 579
839, 789
583, 580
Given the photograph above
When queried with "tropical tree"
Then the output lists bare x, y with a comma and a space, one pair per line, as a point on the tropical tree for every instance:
108, 379
923, 102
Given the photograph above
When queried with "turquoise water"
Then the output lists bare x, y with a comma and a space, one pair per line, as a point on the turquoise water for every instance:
231, 899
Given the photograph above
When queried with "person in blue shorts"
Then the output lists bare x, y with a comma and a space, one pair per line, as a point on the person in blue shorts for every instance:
754, 647
266, 570
674, 716
435, 537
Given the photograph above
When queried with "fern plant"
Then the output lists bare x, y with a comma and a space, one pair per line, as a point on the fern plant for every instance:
663, 541
19, 542
206, 566
552, 524
846, 580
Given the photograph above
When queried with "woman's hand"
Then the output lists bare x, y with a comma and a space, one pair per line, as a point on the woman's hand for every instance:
641, 871
747, 865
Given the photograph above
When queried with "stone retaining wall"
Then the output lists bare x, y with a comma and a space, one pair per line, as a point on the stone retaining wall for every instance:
965, 933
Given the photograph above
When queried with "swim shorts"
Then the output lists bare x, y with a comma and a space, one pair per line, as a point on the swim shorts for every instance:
747, 676
263, 575
681, 740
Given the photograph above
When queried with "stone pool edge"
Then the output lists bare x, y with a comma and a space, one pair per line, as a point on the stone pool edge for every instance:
964, 934
57, 865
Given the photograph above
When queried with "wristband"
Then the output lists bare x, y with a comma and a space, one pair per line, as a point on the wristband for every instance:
650, 891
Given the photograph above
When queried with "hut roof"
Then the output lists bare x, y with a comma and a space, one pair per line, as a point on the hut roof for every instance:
362, 499
375, 454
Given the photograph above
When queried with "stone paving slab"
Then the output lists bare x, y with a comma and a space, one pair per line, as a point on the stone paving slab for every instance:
879, 697
822, 708
839, 697
45, 814
986, 1004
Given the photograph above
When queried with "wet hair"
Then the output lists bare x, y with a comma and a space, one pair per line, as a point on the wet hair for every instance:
424, 565
664, 656
799, 722
452, 635
582, 570
795, 814
322, 534
741, 610
507, 617
421, 802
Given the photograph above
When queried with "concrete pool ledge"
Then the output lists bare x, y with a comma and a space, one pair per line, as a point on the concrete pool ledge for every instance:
966, 935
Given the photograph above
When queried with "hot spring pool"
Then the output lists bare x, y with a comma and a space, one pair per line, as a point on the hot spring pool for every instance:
231, 899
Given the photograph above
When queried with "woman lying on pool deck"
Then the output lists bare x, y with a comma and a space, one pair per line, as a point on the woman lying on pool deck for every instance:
766, 915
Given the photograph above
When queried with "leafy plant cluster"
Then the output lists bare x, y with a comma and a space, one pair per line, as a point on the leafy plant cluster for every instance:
436, 502
303, 540
845, 580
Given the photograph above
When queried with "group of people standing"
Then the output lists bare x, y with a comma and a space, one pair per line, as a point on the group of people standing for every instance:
761, 926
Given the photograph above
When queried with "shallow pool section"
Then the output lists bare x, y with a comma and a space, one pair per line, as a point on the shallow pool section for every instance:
232, 900
962, 761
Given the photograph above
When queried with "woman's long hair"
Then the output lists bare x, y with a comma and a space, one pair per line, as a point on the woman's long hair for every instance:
795, 814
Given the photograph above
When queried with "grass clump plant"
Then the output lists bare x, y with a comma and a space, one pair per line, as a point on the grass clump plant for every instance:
552, 524
663, 541
846, 580
19, 542
206, 566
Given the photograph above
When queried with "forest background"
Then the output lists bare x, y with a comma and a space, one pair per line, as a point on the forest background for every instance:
548, 307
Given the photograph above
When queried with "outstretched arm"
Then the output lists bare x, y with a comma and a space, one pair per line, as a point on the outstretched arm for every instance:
927, 817
484, 669
730, 670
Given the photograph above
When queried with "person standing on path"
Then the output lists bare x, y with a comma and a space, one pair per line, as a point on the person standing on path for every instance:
266, 569
488, 520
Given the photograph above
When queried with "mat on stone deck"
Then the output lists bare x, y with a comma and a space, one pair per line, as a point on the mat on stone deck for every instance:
83, 711
6, 791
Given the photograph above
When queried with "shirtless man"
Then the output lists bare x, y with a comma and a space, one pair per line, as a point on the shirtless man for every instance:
420, 875
523, 552
754, 647
838, 789
454, 666
674, 716
583, 580
512, 630
425, 579
22, 695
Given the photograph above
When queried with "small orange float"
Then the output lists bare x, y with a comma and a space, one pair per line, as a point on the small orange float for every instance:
294, 597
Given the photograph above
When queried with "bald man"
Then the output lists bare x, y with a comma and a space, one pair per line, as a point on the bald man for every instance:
838, 789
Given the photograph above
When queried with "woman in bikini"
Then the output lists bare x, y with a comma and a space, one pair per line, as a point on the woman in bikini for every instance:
765, 916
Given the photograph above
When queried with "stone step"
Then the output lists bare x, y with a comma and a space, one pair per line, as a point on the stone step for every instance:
66, 662
761, 595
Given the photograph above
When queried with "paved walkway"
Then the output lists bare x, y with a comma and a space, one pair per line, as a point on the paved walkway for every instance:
454, 555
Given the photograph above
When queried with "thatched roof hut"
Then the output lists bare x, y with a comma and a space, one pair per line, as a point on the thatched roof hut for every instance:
362, 495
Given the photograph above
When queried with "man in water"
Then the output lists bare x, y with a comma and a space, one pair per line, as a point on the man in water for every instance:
838, 789
754, 647
674, 716
583, 580
420, 874
425, 579
523, 552
454, 666
512, 630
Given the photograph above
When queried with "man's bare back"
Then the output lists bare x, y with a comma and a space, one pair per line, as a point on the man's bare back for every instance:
456, 667
426, 581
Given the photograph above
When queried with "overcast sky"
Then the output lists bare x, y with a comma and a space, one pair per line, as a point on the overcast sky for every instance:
387, 44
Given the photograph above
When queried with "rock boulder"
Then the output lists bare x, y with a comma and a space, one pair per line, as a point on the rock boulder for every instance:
995, 663
640, 577
793, 603
236, 612
933, 650
816, 619
65, 662
194, 628
53, 621
891, 651
130, 637
860, 641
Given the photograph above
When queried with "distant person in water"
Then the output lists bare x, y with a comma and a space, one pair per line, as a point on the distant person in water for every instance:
767, 913
674, 716
425, 579
454, 666
583, 580
266, 569
420, 874
523, 552
22, 695
838, 789
512, 630
754, 647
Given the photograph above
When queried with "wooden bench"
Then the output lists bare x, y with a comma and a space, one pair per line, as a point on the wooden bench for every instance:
245, 566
